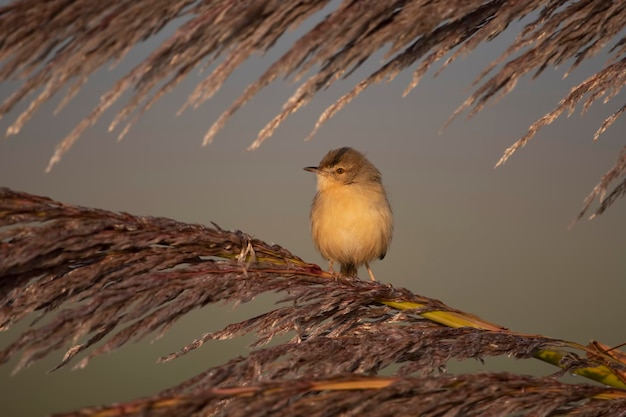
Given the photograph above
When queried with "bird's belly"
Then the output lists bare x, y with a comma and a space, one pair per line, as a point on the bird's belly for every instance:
351, 226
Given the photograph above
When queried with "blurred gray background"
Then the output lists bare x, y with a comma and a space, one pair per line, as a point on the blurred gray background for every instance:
491, 242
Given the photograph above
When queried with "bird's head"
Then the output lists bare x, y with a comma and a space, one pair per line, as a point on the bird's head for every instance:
345, 166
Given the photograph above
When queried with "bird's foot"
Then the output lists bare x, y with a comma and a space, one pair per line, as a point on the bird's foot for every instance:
335, 275
369, 271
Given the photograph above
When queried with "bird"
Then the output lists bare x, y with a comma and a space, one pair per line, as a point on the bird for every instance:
351, 219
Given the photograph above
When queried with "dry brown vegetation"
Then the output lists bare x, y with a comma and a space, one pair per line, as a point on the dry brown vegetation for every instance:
134, 276
59, 43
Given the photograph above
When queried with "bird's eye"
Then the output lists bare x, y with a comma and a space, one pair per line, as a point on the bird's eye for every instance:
340, 170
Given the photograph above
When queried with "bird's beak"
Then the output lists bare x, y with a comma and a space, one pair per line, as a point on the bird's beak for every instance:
314, 170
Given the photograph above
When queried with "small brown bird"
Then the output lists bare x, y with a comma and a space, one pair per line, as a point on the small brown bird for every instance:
351, 220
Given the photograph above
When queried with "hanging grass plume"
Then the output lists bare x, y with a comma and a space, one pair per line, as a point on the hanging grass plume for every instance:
57, 44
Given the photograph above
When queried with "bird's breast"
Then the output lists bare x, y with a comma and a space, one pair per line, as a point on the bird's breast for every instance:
351, 223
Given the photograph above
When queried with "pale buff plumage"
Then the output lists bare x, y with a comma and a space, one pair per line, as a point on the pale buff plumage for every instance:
351, 220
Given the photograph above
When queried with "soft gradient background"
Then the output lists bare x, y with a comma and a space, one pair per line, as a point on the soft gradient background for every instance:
491, 242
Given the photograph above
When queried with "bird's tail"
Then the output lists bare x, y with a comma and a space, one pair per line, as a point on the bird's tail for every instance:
348, 270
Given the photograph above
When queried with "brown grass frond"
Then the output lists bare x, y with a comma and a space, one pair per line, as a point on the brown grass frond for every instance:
103, 279
596, 86
600, 190
481, 394
61, 43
